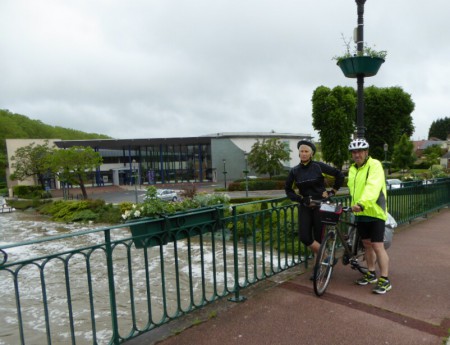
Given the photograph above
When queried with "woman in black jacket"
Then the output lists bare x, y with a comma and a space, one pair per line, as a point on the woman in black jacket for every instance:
309, 179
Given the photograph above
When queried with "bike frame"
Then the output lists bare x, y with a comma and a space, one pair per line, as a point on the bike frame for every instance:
325, 259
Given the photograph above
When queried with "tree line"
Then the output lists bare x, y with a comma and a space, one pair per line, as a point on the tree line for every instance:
388, 128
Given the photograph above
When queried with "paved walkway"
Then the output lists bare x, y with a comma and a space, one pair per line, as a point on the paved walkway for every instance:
284, 310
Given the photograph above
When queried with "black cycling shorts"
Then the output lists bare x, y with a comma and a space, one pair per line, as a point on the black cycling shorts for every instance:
373, 230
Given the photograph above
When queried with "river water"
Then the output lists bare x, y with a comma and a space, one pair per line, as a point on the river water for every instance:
24, 226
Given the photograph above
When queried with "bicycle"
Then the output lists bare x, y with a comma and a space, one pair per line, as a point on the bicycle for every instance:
351, 242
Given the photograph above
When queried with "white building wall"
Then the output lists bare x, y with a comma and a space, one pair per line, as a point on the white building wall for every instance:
11, 147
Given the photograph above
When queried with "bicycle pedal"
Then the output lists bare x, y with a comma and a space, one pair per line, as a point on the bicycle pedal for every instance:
354, 263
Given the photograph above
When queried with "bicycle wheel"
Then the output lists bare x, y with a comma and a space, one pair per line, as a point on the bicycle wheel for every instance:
323, 267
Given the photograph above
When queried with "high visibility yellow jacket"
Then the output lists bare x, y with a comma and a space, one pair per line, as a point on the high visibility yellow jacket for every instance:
367, 188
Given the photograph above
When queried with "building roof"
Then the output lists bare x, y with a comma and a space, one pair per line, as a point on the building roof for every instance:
119, 144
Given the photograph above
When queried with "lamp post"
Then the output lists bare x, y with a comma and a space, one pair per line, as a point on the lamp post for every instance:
246, 173
360, 77
385, 148
224, 174
135, 175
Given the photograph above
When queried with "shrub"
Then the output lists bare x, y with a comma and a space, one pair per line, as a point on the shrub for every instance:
30, 192
80, 211
154, 207
259, 184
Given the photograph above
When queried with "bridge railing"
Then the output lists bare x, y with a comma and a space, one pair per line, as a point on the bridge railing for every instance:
106, 286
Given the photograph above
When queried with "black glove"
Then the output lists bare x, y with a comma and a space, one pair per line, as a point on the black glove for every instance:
306, 200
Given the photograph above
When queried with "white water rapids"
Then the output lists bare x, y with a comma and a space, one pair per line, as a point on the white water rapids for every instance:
22, 226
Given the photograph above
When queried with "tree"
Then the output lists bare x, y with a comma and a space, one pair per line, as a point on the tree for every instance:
440, 129
403, 156
387, 116
266, 157
30, 161
333, 117
72, 165
432, 154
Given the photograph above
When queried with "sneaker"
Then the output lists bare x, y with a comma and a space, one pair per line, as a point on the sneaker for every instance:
383, 286
368, 278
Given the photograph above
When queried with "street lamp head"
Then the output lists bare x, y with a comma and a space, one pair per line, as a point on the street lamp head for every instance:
385, 147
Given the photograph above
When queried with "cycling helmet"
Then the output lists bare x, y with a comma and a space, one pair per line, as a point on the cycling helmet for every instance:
308, 143
358, 144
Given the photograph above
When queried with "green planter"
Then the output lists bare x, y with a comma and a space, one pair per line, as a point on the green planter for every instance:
360, 65
149, 232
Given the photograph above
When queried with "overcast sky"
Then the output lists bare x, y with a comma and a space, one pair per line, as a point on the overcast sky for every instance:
166, 68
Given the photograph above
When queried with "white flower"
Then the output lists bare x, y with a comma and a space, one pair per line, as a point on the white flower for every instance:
137, 214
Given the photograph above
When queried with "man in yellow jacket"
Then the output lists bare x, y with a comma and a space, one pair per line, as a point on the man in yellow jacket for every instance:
367, 186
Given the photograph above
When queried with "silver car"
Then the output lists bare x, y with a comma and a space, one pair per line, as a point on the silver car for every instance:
166, 194
393, 183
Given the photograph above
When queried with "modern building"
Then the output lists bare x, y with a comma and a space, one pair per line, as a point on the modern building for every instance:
218, 157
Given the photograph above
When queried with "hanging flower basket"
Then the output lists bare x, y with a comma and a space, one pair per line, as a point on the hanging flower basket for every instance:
149, 232
366, 66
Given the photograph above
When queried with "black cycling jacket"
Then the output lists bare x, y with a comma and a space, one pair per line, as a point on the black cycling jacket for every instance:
310, 181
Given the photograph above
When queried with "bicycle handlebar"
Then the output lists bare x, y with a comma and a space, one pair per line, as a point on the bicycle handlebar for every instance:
327, 200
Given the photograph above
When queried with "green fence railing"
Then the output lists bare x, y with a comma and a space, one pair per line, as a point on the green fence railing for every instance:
106, 286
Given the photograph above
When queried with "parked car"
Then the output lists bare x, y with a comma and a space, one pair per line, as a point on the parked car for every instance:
393, 183
165, 194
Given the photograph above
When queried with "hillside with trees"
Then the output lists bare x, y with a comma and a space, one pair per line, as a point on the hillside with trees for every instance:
17, 126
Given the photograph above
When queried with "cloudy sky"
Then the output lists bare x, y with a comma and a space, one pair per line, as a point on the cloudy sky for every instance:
164, 68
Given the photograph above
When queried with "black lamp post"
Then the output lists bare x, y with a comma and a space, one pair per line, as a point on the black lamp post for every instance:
246, 173
135, 175
360, 77
224, 174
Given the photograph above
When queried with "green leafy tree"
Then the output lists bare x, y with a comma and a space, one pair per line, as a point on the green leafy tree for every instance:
403, 156
266, 157
31, 161
73, 165
432, 154
440, 129
387, 116
333, 117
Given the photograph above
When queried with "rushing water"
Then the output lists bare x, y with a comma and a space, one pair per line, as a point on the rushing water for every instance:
22, 226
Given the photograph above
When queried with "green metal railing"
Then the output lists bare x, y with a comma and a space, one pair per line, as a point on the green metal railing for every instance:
105, 286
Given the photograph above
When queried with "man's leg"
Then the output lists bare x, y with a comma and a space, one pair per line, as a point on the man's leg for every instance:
371, 257
381, 257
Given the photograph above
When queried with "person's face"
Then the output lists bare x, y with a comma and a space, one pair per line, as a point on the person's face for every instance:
305, 153
359, 156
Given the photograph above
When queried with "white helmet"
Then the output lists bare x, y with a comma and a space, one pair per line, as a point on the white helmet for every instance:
358, 144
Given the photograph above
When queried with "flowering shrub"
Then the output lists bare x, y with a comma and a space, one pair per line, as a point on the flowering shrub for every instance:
154, 207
